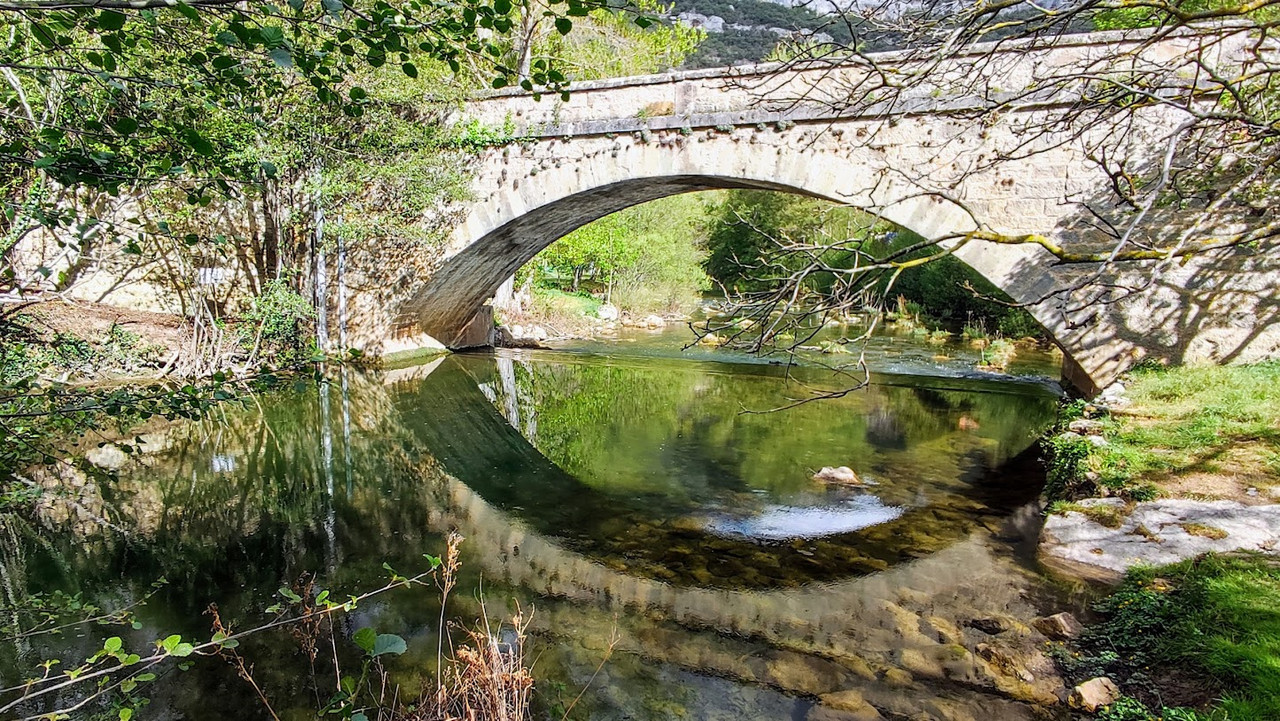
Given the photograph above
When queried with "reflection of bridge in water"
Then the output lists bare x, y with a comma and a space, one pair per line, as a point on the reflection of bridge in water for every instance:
900, 628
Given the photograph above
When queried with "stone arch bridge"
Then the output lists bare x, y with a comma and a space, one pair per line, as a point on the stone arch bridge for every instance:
921, 161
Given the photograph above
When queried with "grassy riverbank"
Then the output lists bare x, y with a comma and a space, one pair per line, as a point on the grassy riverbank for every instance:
1196, 641
1206, 433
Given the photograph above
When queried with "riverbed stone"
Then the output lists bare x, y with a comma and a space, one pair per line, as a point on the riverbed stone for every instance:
898, 678
992, 625
823, 713
919, 663
802, 673
848, 704
942, 629
1094, 694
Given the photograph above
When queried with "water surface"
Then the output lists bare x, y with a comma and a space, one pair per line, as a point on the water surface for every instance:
639, 499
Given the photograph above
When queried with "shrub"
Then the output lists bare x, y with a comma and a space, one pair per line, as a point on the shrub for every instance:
281, 316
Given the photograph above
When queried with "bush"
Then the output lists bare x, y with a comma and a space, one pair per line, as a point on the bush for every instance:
282, 316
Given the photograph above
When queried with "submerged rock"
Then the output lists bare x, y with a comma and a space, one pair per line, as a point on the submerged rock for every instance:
848, 705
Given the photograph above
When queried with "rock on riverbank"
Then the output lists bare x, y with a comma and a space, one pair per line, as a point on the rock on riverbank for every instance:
1106, 536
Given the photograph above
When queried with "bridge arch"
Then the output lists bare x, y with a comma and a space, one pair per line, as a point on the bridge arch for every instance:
933, 161
539, 193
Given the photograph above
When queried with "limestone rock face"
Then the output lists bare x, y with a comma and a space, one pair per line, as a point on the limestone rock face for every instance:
1094, 694
1059, 626
1074, 544
108, 457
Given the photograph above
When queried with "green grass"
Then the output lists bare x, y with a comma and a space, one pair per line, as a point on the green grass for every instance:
558, 302
1186, 419
1216, 619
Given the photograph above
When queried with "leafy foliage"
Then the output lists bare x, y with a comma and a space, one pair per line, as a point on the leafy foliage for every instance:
279, 315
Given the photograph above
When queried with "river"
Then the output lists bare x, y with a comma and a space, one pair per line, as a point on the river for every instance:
626, 494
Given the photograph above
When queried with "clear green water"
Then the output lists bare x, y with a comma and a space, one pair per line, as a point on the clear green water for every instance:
621, 496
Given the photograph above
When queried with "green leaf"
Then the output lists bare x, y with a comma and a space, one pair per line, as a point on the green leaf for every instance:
272, 36
499, 82
111, 19
564, 25
289, 595
198, 142
282, 57
333, 7
183, 650
388, 643
126, 714
112, 644
366, 638
171, 643
357, 93
125, 126
410, 69
187, 12
502, 7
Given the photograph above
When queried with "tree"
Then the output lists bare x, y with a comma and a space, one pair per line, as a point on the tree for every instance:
107, 100
600, 248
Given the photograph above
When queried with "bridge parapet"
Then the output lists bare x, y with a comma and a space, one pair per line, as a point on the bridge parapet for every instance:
981, 77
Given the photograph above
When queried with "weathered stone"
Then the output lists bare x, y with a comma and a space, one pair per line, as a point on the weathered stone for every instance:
1059, 626
991, 626
1094, 694
840, 474
1085, 426
1075, 545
